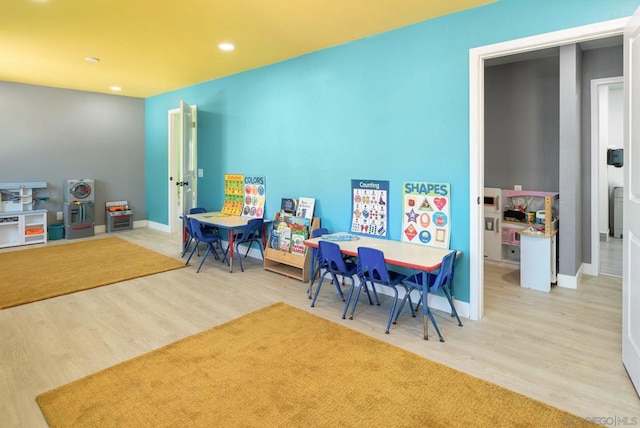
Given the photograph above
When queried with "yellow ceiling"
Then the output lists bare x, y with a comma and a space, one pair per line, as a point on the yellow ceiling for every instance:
153, 46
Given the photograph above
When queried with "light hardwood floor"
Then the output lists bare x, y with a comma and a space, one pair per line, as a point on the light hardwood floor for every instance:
562, 348
611, 257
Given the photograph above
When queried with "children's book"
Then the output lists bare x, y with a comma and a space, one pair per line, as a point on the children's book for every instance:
299, 223
298, 237
284, 240
280, 238
305, 207
288, 207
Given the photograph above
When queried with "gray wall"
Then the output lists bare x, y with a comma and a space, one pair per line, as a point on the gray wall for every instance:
596, 64
521, 125
49, 134
571, 216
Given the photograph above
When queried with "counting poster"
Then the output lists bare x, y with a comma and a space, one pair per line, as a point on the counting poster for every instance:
369, 207
233, 192
254, 197
426, 214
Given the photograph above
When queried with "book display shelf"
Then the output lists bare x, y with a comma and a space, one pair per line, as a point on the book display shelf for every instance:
285, 253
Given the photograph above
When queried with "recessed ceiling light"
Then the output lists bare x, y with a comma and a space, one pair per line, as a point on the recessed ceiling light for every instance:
91, 59
115, 88
226, 47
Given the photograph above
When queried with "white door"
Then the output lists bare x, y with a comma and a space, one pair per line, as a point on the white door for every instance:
182, 165
188, 154
631, 228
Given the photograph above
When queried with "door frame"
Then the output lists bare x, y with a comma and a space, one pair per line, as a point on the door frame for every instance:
596, 84
477, 57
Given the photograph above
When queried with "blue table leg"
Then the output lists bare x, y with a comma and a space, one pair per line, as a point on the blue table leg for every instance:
312, 271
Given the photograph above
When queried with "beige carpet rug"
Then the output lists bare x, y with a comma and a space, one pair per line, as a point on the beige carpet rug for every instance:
41, 273
283, 367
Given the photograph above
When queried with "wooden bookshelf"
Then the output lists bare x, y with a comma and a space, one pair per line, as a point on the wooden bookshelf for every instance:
288, 264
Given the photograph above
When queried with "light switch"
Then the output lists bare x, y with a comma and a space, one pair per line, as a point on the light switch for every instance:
200, 172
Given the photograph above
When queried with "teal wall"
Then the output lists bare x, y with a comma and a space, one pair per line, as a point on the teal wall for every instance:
389, 107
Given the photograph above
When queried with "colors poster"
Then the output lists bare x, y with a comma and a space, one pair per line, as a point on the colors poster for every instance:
426, 214
369, 213
254, 197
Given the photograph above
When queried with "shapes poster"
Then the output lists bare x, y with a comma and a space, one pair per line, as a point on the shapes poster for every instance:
426, 214
254, 197
233, 191
369, 200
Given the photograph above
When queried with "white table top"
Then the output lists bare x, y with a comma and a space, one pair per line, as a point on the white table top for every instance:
405, 254
223, 221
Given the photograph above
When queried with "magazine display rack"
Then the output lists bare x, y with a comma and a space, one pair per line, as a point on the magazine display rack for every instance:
286, 263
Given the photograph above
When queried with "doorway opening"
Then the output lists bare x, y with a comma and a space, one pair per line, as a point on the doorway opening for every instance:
606, 132
477, 58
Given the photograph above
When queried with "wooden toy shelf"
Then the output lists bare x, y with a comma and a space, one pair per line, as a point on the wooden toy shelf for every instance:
287, 264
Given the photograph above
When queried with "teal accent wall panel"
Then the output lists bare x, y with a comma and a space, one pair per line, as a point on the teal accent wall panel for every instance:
389, 107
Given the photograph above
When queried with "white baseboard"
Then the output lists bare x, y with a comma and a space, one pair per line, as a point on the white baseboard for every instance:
157, 226
568, 281
590, 269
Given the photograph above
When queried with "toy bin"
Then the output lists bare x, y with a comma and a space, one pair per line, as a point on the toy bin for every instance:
56, 231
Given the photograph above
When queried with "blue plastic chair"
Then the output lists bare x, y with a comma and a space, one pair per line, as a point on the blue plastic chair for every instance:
208, 237
317, 260
334, 265
252, 233
443, 280
200, 210
190, 239
187, 225
373, 269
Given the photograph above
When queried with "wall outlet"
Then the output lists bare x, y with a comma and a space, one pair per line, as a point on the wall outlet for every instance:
517, 187
59, 215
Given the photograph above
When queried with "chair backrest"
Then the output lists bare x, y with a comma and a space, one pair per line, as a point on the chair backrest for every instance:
445, 274
196, 230
332, 258
316, 233
197, 210
187, 225
371, 265
253, 230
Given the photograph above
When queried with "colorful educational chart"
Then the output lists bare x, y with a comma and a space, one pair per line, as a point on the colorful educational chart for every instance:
369, 200
233, 194
254, 197
426, 214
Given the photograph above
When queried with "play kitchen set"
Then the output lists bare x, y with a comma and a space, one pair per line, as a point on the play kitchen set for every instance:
22, 222
521, 227
118, 216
